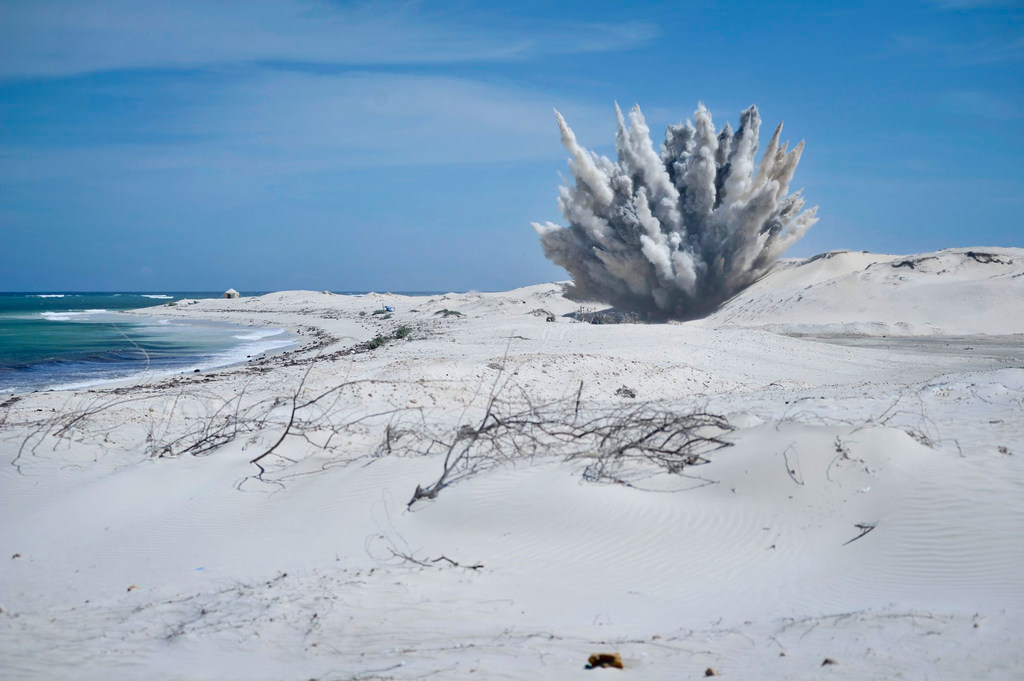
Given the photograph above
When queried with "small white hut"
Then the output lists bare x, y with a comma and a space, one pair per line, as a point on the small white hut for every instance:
232, 293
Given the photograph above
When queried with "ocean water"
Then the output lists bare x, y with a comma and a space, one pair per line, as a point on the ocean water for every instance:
73, 340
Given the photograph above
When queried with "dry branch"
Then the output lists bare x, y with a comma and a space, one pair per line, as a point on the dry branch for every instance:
608, 439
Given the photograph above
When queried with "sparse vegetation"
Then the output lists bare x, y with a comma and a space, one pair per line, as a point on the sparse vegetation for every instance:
445, 313
196, 422
402, 332
614, 442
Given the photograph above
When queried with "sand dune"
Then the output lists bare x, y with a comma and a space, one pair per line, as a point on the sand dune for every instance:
868, 508
959, 291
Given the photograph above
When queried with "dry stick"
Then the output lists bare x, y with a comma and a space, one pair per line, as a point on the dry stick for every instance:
287, 428
447, 468
467, 432
431, 561
864, 529
576, 412
792, 473
456, 563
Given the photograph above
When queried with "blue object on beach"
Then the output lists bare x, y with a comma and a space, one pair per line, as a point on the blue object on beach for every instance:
388, 308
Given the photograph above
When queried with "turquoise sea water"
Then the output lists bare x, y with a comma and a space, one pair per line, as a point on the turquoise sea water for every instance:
62, 340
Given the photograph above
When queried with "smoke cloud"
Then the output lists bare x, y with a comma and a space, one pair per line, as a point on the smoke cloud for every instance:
676, 233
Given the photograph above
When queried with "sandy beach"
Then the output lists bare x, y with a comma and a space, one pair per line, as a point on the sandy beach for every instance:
823, 479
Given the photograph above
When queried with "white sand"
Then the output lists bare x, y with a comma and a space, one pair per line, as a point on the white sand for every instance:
131, 565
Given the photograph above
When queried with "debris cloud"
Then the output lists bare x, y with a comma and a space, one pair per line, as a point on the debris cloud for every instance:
675, 233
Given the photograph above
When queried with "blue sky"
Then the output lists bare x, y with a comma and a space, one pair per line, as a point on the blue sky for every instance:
275, 144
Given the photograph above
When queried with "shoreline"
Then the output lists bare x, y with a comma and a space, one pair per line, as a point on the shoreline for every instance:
274, 520
225, 358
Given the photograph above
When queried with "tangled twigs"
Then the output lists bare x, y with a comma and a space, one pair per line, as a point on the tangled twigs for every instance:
647, 434
197, 421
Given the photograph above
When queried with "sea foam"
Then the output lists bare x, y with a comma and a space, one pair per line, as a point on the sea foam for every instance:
68, 315
257, 334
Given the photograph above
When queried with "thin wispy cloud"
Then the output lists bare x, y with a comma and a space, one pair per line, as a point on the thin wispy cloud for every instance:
947, 52
285, 122
385, 118
214, 85
47, 38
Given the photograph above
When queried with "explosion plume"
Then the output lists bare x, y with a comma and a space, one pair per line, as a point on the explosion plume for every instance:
675, 234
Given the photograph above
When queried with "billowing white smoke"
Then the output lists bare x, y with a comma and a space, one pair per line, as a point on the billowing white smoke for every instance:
677, 233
